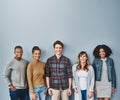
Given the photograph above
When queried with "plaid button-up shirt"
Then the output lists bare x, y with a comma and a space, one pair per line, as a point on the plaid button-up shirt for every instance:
58, 70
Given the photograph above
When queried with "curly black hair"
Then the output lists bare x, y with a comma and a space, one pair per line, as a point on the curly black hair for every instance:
107, 50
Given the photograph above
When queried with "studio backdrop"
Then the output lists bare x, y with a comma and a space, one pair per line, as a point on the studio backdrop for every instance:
79, 24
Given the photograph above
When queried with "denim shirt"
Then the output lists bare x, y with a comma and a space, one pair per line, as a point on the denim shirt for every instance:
97, 65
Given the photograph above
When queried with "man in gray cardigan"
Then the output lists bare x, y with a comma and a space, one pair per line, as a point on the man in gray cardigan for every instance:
15, 76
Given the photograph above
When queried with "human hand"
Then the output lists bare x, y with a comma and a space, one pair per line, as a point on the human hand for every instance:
95, 91
113, 90
90, 94
50, 92
69, 92
12, 87
34, 96
75, 90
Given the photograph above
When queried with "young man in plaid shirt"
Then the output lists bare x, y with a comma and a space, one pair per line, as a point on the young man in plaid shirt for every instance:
58, 74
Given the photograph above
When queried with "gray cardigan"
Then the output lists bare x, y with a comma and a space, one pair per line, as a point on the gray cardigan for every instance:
90, 82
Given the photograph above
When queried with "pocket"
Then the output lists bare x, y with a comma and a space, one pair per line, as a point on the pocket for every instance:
12, 90
43, 88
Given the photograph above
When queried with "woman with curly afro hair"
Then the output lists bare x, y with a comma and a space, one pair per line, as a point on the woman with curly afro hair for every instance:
105, 76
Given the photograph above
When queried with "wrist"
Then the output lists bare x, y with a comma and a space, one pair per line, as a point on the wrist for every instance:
10, 85
75, 88
32, 92
48, 88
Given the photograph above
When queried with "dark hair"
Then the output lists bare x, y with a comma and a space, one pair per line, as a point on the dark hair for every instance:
58, 42
35, 48
107, 50
79, 62
18, 47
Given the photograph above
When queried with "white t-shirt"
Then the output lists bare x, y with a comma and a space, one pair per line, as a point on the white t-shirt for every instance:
82, 76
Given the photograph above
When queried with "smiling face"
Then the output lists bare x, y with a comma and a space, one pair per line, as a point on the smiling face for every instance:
18, 53
83, 58
102, 53
36, 55
58, 49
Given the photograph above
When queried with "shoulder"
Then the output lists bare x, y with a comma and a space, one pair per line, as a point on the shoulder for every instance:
10, 62
97, 59
109, 59
65, 58
51, 58
30, 64
24, 60
91, 70
42, 63
90, 67
74, 66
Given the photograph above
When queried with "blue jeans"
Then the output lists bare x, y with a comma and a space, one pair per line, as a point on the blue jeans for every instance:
48, 97
72, 95
84, 94
19, 94
40, 92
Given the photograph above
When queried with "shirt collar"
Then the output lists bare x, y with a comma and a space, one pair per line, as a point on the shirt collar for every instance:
56, 56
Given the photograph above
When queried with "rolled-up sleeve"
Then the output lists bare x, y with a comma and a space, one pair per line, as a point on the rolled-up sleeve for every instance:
69, 69
47, 68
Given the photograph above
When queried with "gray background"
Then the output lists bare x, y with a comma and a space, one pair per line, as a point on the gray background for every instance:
79, 24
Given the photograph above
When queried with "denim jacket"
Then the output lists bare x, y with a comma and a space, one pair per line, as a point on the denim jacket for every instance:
97, 65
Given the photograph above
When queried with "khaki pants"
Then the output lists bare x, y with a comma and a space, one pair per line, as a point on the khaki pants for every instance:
57, 93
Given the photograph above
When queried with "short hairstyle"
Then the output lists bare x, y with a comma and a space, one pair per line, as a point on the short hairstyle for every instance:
35, 48
107, 50
58, 42
18, 47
